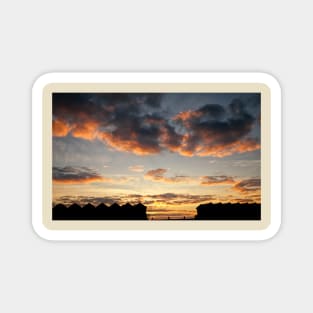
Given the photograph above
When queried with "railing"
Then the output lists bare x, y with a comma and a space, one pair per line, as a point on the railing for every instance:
172, 218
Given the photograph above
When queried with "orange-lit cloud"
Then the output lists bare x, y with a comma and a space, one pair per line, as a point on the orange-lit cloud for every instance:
129, 144
246, 145
211, 131
186, 115
159, 172
76, 175
169, 139
83, 175
251, 185
86, 180
60, 128
87, 130
219, 150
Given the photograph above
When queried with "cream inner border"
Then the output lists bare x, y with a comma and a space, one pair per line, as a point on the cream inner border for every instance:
261, 88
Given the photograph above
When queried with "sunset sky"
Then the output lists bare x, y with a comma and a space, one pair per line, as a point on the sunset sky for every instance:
170, 151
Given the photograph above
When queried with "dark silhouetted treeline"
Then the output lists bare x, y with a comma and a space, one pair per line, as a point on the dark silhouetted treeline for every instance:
100, 212
229, 211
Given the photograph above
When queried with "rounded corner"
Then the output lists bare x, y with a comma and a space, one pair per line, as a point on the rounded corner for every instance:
270, 81
271, 231
42, 80
41, 231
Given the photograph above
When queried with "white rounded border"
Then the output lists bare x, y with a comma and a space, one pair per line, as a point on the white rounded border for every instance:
147, 235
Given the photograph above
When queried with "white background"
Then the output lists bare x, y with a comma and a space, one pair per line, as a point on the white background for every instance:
41, 276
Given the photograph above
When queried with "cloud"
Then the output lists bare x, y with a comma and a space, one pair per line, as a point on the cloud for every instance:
149, 99
178, 199
150, 199
60, 128
217, 180
211, 111
87, 130
185, 116
136, 168
214, 131
248, 185
246, 163
128, 141
247, 145
157, 175
136, 123
84, 175
161, 201
76, 175
169, 139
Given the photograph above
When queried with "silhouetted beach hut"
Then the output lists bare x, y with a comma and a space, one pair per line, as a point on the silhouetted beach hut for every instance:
102, 206
115, 206
59, 211
89, 206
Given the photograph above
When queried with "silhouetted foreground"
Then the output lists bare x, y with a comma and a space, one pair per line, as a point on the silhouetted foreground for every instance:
101, 212
229, 211
209, 211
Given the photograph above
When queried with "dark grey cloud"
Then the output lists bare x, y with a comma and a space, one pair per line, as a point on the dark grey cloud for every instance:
213, 111
212, 130
85, 175
78, 175
136, 123
217, 180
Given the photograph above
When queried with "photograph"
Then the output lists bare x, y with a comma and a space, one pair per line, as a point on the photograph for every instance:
156, 156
